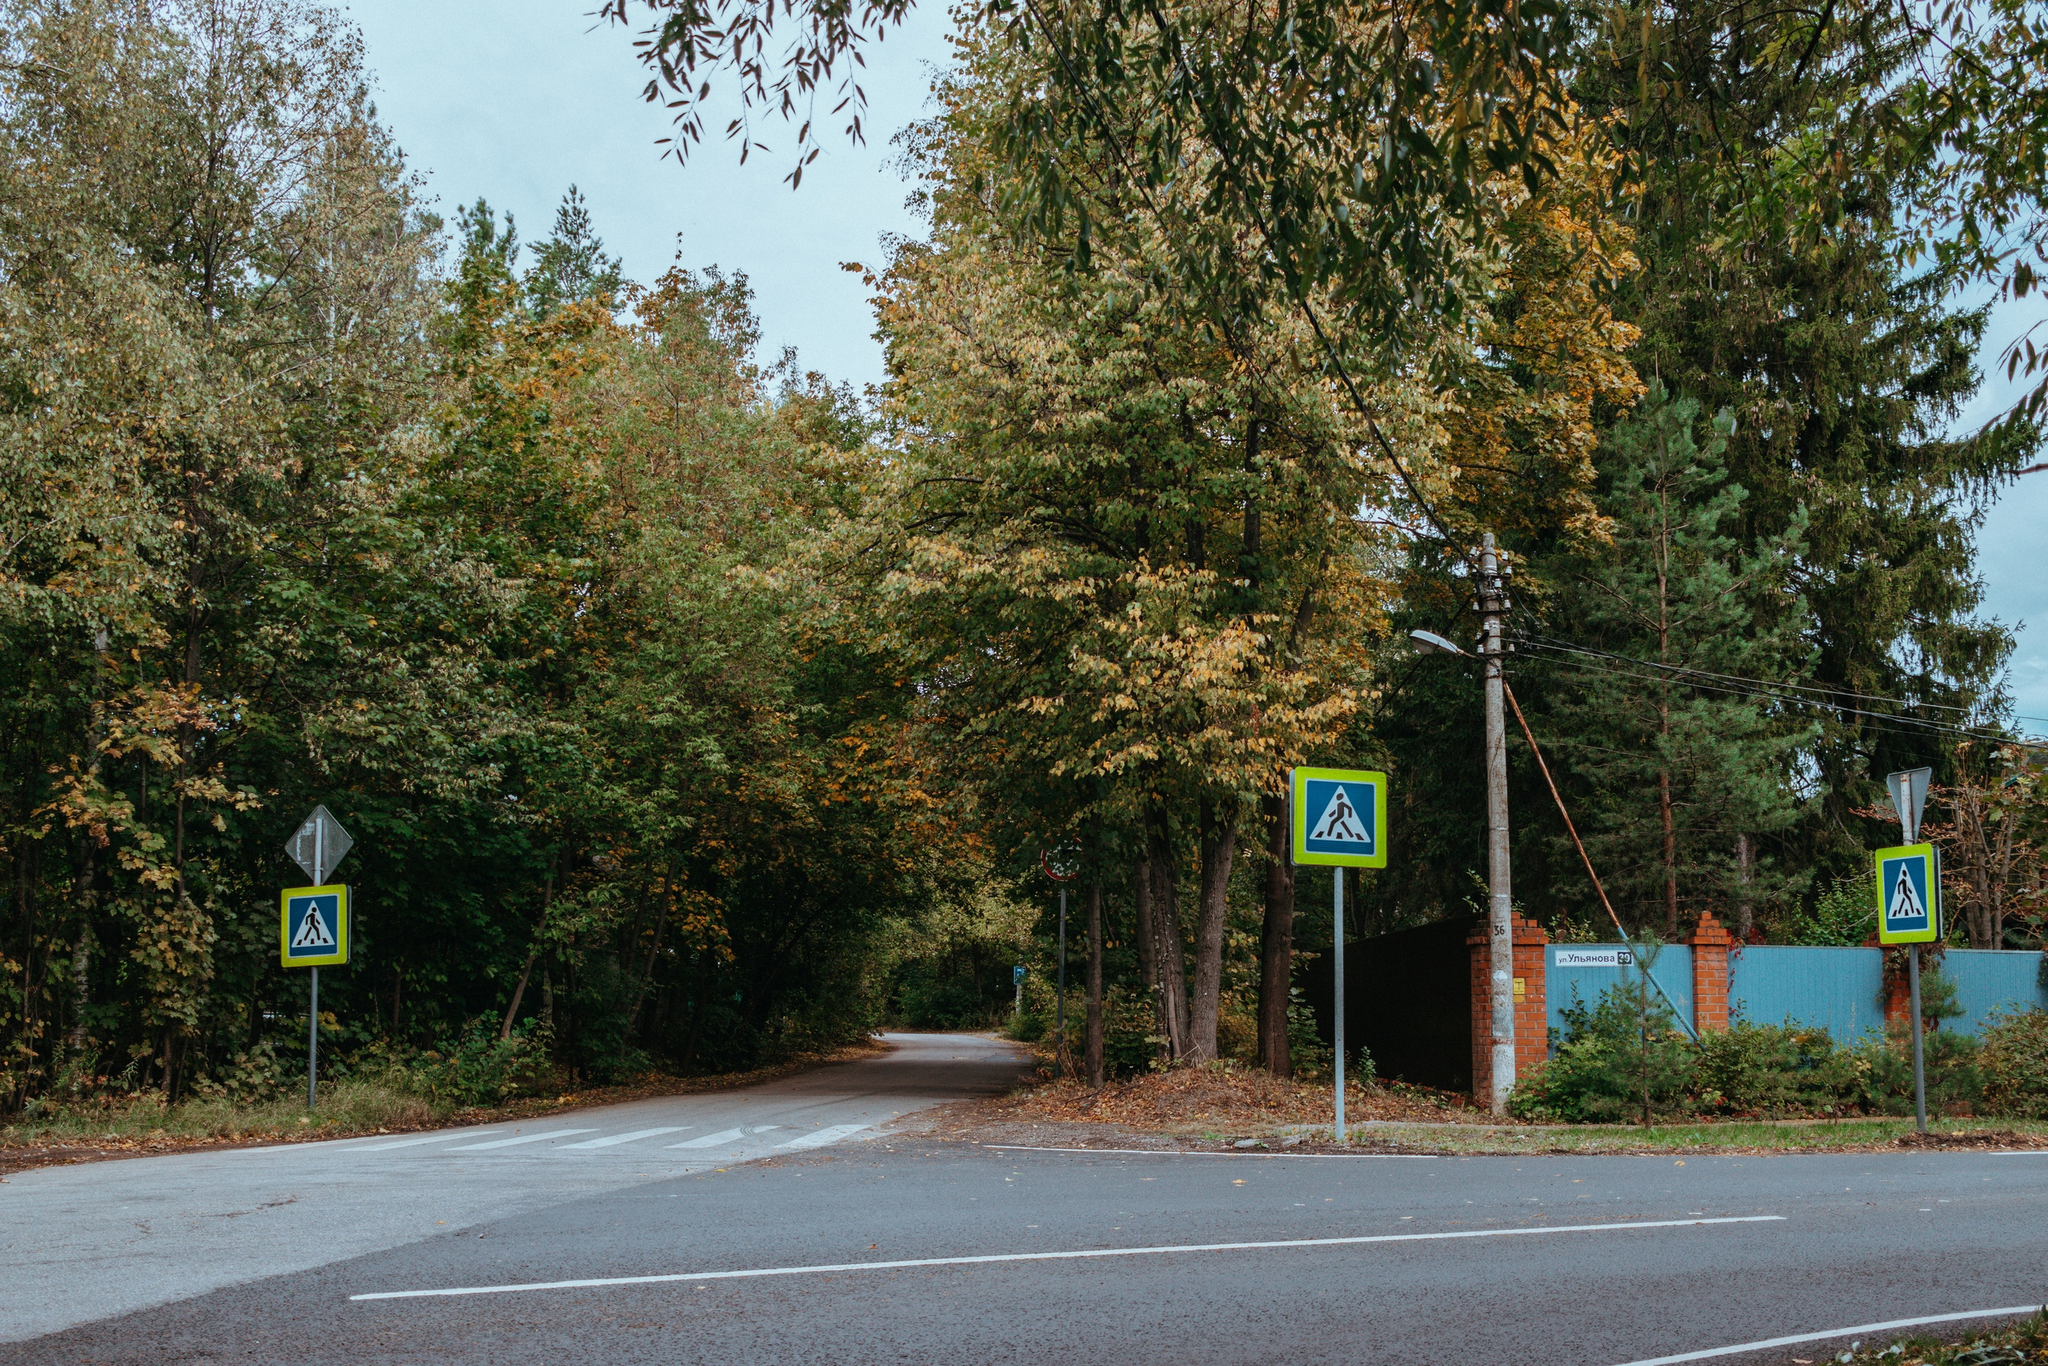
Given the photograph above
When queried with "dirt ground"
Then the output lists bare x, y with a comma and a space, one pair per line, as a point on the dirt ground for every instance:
1242, 1110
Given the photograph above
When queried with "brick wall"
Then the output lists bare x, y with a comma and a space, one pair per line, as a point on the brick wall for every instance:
1710, 943
1532, 1015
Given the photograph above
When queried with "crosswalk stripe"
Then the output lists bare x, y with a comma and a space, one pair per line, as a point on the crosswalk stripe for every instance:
613, 1140
825, 1136
719, 1140
522, 1138
415, 1142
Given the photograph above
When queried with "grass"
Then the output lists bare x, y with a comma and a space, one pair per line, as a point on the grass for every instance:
1722, 1136
2024, 1342
349, 1106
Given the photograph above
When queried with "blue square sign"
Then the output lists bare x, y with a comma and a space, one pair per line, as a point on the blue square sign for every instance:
1908, 895
314, 927
1340, 818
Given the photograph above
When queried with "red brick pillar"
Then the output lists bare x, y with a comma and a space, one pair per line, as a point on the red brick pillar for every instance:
1709, 974
1532, 1020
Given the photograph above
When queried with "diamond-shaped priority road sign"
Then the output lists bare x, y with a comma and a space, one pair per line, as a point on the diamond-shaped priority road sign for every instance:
319, 844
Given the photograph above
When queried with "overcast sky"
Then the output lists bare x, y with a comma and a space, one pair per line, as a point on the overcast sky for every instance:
515, 100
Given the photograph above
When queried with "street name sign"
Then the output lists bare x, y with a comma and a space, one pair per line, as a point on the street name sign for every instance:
1594, 958
313, 929
1340, 818
1909, 894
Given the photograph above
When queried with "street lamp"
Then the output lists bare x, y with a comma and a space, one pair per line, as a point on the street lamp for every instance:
1500, 930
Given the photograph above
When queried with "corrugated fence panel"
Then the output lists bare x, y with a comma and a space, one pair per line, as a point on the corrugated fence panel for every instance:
1837, 989
1988, 981
1673, 972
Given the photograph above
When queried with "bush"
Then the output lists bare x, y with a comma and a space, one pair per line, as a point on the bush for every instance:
1621, 1058
1773, 1070
2014, 1059
1885, 1071
1843, 916
477, 1069
1307, 1055
250, 1078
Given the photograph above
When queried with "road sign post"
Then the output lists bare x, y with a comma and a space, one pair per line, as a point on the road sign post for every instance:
1017, 976
1909, 907
314, 921
1339, 820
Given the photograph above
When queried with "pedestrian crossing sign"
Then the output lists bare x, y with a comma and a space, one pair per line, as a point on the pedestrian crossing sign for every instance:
314, 930
1340, 818
1909, 894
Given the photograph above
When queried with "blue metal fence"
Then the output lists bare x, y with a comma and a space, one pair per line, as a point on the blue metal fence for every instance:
1840, 990
1988, 981
1672, 971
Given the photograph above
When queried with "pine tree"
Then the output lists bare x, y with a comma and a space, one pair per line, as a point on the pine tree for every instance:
570, 267
1842, 368
1676, 773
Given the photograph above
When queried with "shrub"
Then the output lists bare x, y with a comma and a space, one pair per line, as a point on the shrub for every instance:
1308, 1057
1773, 1070
1621, 1058
480, 1068
1885, 1071
2014, 1059
248, 1078
1843, 916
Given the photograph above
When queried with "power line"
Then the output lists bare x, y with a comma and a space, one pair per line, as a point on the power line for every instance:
1898, 725
1825, 689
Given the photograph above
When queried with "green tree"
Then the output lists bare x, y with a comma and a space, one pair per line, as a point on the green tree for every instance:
1676, 773
1781, 283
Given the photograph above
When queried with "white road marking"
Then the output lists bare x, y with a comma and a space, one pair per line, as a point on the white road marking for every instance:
723, 1137
415, 1142
825, 1136
613, 1140
1764, 1344
522, 1138
1081, 1253
1196, 1152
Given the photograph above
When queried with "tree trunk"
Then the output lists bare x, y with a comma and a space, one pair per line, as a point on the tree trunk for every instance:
1745, 909
81, 953
1092, 1049
547, 897
668, 907
1218, 848
1276, 942
512, 1011
1148, 941
1168, 949
1670, 854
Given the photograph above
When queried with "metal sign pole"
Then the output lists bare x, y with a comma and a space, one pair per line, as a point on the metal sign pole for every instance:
1337, 993
1060, 1032
1908, 801
1919, 1067
313, 1042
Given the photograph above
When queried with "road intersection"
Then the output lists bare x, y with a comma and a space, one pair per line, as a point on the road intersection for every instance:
796, 1243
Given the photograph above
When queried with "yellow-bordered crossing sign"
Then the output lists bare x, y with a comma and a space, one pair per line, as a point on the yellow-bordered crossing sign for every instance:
1340, 818
313, 928
1909, 894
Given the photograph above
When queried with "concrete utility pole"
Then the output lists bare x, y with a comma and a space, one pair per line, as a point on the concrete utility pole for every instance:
1500, 928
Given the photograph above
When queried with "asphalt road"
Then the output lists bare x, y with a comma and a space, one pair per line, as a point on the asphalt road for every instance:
1023, 1255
